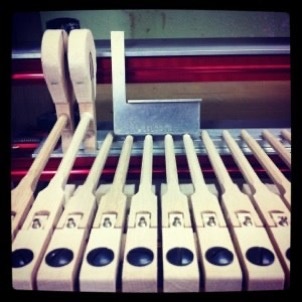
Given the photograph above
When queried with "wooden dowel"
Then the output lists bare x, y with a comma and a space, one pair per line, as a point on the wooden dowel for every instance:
98, 164
286, 134
171, 168
70, 155
281, 150
22, 195
194, 166
147, 162
220, 169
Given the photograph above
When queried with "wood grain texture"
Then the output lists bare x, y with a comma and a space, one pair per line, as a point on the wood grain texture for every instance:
107, 230
82, 70
274, 173
73, 229
38, 226
22, 196
246, 228
277, 145
211, 230
270, 207
177, 231
142, 230
53, 58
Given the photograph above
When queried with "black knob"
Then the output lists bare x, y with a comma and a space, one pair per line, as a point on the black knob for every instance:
21, 257
288, 253
68, 24
219, 256
59, 257
180, 256
260, 256
100, 256
140, 256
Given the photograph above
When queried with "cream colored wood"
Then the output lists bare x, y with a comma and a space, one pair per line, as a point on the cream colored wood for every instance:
281, 150
44, 214
245, 226
275, 174
82, 69
278, 226
140, 279
103, 278
53, 58
142, 229
235, 202
287, 135
257, 277
270, 207
22, 196
173, 201
107, 229
176, 230
211, 230
73, 229
179, 278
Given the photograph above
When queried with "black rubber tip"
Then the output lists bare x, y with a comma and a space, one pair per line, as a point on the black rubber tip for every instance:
180, 256
260, 256
140, 256
100, 256
59, 257
219, 256
21, 257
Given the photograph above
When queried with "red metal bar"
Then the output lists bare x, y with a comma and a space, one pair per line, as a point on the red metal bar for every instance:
177, 69
20, 166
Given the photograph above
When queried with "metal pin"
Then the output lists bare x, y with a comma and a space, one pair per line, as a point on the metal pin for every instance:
283, 220
176, 222
107, 222
70, 223
142, 222
36, 223
211, 221
247, 221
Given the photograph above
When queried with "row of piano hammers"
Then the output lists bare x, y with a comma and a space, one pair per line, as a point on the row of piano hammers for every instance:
73, 240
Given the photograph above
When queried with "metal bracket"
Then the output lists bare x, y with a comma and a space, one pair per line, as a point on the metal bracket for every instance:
141, 117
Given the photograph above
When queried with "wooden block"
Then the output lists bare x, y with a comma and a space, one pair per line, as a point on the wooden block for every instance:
104, 243
139, 271
143, 278
62, 278
180, 266
258, 277
180, 275
53, 58
222, 274
82, 69
220, 265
